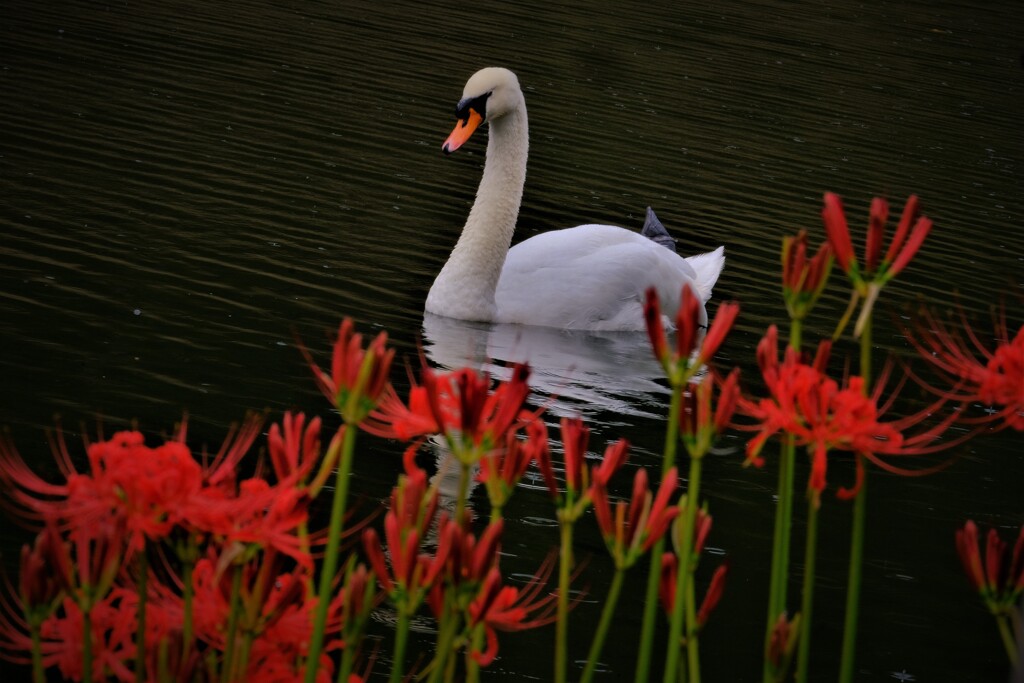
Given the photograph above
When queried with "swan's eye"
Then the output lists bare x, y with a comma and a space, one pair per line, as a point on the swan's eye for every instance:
477, 104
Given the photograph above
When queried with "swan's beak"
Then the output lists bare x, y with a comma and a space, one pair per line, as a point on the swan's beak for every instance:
463, 130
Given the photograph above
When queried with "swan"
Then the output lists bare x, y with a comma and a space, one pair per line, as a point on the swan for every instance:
590, 277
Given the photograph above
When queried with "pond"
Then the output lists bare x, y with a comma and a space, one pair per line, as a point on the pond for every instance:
188, 186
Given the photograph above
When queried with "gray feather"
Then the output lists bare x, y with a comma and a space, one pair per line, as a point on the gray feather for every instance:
654, 230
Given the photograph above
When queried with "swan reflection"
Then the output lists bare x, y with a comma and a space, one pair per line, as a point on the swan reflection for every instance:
573, 372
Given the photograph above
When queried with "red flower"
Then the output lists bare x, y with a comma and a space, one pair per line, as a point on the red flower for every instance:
150, 489
999, 584
44, 572
502, 468
458, 405
293, 452
506, 608
803, 279
699, 424
783, 642
991, 376
412, 510
632, 528
358, 377
905, 242
575, 435
691, 323
578, 477
468, 559
715, 590
822, 415
261, 514
667, 587
113, 637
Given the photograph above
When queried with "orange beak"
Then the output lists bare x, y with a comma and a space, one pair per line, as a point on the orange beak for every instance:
463, 130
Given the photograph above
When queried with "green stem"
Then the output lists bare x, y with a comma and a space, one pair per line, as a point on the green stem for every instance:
865, 355
38, 672
228, 665
445, 638
186, 619
562, 625
853, 582
465, 471
1006, 633
611, 600
810, 555
686, 567
856, 535
86, 646
348, 662
401, 637
796, 327
330, 565
692, 642
779, 580
643, 662
140, 633
472, 666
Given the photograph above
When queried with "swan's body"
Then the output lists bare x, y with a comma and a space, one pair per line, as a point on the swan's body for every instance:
587, 277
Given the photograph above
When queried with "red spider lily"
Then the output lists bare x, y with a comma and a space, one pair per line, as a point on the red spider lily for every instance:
358, 377
578, 477
149, 488
260, 514
699, 424
575, 435
994, 377
355, 601
822, 415
468, 558
877, 270
412, 510
803, 279
782, 643
634, 527
691, 322
502, 468
507, 608
459, 405
999, 584
39, 585
112, 633
667, 588
294, 451
909, 236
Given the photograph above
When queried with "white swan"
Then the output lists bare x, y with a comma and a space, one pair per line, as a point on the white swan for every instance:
588, 277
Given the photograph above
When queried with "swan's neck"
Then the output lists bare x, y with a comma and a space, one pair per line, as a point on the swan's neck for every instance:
465, 286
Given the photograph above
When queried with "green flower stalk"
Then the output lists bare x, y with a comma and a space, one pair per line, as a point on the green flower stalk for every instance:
867, 280
998, 583
411, 574
803, 281
571, 504
702, 419
358, 379
39, 590
629, 532
693, 349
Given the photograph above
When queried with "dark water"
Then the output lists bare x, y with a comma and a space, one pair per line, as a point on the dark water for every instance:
183, 186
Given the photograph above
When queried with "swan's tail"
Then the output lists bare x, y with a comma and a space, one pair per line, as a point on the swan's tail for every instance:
709, 267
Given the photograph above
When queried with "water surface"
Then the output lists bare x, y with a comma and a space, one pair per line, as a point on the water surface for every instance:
185, 186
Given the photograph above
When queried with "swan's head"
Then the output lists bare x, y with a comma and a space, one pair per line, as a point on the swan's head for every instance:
489, 94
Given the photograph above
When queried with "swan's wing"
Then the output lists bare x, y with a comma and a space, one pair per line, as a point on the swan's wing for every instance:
707, 268
590, 276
